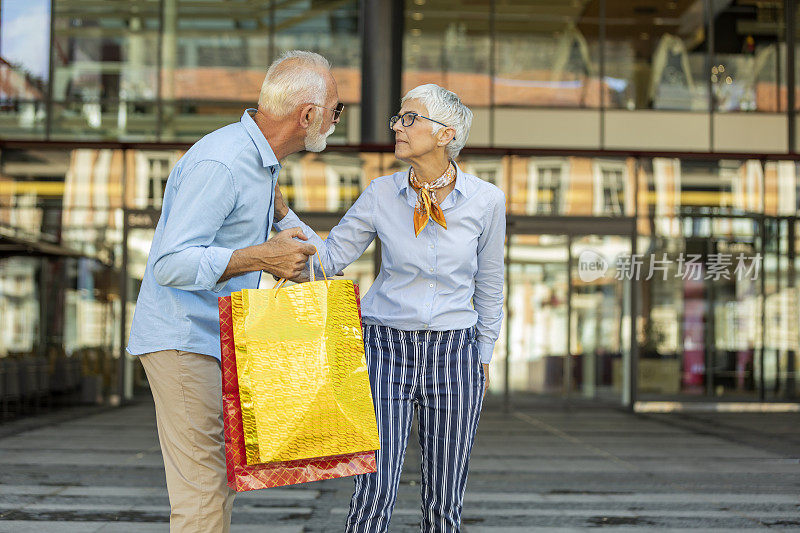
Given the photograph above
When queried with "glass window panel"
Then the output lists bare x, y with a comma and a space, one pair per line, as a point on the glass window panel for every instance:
655, 55
330, 28
796, 71
703, 310
613, 187
330, 181
19, 306
780, 188
24, 67
146, 176
215, 55
778, 372
748, 71
60, 221
600, 321
448, 43
92, 218
572, 186
538, 284
547, 54
487, 168
324, 182
710, 314
67, 198
32, 190
702, 187
105, 69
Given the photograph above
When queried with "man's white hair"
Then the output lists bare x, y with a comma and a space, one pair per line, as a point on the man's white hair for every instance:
446, 107
297, 77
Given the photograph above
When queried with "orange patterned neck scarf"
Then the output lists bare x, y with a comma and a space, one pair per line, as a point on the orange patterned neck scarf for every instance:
427, 205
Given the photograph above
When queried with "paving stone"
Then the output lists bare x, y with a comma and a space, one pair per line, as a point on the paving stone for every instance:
547, 465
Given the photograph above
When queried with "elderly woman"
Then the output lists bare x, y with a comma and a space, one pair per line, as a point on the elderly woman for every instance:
433, 314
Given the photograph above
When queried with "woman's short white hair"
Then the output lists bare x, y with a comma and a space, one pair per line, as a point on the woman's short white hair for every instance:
295, 78
446, 107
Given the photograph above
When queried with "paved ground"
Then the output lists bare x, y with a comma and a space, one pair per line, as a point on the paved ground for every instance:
546, 466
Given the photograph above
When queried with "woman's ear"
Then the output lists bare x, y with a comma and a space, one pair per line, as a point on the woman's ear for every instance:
445, 136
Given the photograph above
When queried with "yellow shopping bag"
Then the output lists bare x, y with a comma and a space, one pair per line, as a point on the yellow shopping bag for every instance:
302, 373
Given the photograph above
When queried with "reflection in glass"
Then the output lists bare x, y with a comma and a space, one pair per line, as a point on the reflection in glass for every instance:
538, 284
572, 186
449, 47
781, 188
105, 70
31, 193
147, 174
24, 67
547, 54
709, 187
780, 361
326, 182
698, 337
60, 212
19, 307
748, 72
488, 169
600, 322
215, 55
548, 182
329, 28
92, 201
702, 313
655, 56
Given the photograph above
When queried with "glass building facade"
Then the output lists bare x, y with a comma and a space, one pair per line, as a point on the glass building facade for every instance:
655, 141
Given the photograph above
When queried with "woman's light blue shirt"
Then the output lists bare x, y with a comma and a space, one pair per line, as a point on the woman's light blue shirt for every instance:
441, 280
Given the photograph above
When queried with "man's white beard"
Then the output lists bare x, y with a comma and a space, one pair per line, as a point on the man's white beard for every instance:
315, 141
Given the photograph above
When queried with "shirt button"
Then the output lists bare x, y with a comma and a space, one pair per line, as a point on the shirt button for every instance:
431, 270
431, 285
431, 247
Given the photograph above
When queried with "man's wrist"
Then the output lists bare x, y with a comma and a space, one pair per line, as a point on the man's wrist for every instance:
242, 261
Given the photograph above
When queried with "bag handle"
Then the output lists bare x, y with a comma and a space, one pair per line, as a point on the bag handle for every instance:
279, 284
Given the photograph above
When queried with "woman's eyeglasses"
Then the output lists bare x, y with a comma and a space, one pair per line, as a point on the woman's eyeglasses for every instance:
407, 119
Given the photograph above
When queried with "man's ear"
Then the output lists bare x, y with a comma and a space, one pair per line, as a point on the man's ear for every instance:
307, 115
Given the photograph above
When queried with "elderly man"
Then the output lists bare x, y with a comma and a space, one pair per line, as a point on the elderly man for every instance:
211, 240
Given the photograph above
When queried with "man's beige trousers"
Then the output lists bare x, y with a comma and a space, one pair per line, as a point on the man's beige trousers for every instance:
187, 389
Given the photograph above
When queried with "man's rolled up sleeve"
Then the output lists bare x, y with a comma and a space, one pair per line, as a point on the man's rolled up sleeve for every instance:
213, 263
186, 259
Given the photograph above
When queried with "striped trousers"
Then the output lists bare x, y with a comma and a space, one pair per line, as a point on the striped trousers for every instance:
440, 373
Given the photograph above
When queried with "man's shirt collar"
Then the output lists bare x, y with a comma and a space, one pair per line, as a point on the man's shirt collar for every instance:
268, 158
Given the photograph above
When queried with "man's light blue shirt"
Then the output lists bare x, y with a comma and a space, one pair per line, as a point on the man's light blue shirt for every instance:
441, 280
218, 198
